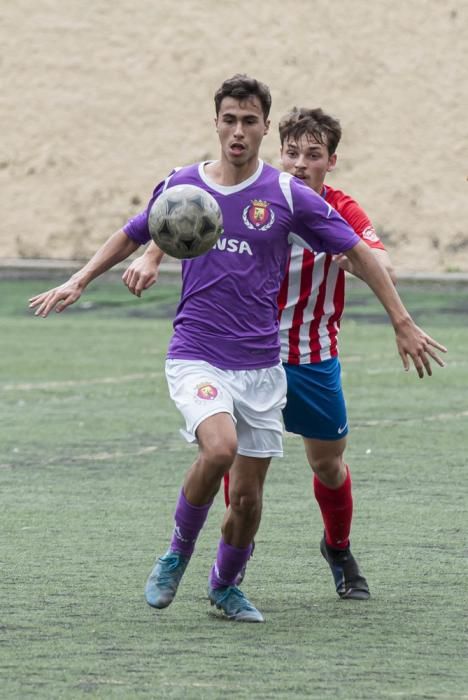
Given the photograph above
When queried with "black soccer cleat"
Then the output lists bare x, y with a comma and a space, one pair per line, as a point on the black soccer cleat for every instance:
349, 582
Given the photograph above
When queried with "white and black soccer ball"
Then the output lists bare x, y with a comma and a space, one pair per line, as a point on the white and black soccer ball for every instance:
185, 221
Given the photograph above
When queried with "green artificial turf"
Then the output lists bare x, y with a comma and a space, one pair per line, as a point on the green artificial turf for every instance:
91, 463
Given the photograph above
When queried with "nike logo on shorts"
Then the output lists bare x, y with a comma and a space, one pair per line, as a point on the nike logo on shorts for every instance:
341, 429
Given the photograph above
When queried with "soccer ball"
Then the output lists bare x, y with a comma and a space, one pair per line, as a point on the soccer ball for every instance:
185, 221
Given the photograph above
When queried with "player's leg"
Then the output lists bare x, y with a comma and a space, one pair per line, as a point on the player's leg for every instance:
258, 405
333, 492
332, 488
217, 441
242, 518
316, 410
207, 409
240, 524
227, 484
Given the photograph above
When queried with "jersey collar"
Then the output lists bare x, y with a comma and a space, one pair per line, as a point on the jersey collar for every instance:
229, 189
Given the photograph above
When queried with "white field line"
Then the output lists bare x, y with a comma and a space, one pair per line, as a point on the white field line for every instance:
101, 456
438, 417
398, 369
82, 382
104, 456
31, 386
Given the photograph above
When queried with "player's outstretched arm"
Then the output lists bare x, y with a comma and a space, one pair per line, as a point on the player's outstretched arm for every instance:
118, 247
412, 342
382, 256
142, 273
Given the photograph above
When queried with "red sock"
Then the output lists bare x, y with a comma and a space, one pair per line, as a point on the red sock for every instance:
226, 489
336, 506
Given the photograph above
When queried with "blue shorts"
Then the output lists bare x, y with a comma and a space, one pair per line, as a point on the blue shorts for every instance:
315, 405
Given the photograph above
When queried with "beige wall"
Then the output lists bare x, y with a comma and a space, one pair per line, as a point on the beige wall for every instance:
100, 100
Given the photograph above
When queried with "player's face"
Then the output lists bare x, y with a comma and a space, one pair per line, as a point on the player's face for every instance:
308, 160
241, 127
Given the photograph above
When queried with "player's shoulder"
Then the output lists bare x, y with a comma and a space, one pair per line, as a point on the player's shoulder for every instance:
354, 214
185, 171
303, 193
347, 206
339, 199
184, 175
269, 173
291, 189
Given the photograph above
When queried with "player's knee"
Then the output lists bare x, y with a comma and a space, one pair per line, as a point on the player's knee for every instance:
220, 454
246, 503
329, 469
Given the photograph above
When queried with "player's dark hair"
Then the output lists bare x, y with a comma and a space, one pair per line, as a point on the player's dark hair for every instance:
242, 87
300, 121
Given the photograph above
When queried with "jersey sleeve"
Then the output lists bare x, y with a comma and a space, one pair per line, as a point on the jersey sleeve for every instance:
316, 225
137, 227
357, 218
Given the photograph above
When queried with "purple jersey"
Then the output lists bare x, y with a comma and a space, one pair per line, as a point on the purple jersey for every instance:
228, 311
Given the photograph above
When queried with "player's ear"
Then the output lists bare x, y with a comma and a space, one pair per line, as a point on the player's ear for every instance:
267, 126
332, 162
215, 120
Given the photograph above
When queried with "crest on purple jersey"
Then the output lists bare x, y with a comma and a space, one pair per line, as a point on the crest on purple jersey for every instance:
258, 215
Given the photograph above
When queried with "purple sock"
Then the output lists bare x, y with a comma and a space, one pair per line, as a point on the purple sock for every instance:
189, 520
229, 562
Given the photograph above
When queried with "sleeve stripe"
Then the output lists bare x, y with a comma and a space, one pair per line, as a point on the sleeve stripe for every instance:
168, 179
285, 184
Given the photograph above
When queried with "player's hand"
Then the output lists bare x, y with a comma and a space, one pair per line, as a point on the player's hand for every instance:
58, 298
345, 263
140, 275
413, 342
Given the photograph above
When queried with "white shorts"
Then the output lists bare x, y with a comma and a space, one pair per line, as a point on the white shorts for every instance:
253, 397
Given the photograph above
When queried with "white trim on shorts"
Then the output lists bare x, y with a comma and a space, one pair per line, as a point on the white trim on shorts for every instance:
253, 398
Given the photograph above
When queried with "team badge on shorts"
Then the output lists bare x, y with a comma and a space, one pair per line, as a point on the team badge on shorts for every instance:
206, 391
258, 215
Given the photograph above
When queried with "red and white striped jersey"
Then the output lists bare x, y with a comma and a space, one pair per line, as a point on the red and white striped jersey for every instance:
311, 298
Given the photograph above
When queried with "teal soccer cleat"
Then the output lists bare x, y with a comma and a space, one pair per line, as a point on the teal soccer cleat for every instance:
234, 604
164, 579
349, 581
